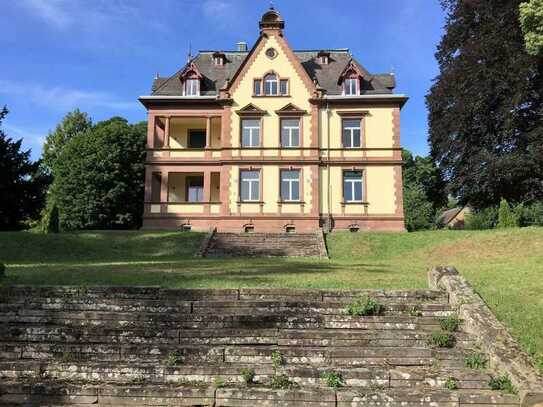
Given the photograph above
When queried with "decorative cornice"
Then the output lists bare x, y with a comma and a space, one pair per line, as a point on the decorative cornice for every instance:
291, 110
251, 110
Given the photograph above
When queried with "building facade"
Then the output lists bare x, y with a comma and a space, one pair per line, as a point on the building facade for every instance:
272, 139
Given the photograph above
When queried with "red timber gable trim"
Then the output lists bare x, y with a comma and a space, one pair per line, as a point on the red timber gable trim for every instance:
351, 71
191, 70
255, 51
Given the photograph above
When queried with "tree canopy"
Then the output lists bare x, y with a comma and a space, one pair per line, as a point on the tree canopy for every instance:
531, 20
99, 176
485, 106
22, 183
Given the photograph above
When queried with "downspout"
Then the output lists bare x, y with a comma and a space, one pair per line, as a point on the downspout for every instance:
328, 164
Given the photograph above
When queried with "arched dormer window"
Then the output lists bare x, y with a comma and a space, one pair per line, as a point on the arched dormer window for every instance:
271, 85
191, 78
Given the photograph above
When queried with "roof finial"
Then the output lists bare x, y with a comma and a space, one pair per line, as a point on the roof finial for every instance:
190, 52
271, 6
157, 75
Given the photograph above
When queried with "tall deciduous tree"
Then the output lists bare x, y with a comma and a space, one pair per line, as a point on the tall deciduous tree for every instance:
99, 177
485, 107
531, 20
22, 183
73, 123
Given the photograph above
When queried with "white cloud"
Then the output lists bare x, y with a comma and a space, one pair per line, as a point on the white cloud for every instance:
51, 11
31, 138
60, 98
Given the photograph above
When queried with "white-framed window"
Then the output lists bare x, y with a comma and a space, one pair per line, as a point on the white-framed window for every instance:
290, 132
257, 87
195, 189
283, 87
350, 86
290, 185
249, 185
192, 87
352, 186
250, 133
270, 85
351, 133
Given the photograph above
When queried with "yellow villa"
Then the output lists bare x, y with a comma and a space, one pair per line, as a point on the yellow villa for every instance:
274, 140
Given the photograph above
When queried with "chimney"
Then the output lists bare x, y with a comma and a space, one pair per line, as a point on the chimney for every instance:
242, 46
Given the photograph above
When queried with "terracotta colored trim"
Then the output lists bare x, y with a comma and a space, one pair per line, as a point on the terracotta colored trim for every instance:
151, 123
290, 110
189, 113
394, 149
314, 127
279, 160
315, 190
396, 127
225, 189
398, 188
251, 110
352, 113
239, 75
226, 127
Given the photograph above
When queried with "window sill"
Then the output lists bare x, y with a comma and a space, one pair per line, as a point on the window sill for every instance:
354, 203
291, 202
271, 96
250, 202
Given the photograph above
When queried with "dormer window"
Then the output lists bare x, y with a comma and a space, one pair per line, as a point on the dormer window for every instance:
323, 57
350, 86
192, 87
218, 58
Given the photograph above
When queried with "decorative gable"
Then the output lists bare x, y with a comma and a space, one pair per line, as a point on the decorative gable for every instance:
251, 110
290, 110
190, 71
352, 70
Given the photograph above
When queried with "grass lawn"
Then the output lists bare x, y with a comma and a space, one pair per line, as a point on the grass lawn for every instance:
505, 266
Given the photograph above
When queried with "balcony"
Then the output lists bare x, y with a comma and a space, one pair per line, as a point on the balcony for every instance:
185, 137
185, 193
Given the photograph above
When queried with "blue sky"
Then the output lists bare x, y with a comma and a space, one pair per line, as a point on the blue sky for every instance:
100, 55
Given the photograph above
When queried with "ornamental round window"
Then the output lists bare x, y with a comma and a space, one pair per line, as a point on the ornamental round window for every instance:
271, 53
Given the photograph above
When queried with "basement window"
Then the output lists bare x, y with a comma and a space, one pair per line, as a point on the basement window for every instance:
354, 228
249, 228
186, 227
290, 229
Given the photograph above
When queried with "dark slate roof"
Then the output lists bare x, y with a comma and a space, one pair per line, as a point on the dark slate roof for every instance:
326, 75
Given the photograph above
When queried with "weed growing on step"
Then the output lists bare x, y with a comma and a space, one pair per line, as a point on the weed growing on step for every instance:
218, 382
441, 340
172, 359
248, 375
476, 361
415, 311
282, 382
277, 359
333, 379
138, 380
450, 323
82, 291
364, 306
67, 357
451, 383
502, 383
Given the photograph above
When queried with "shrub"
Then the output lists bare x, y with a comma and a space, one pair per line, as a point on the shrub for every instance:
482, 219
451, 384
282, 382
218, 382
476, 361
415, 311
419, 212
248, 375
450, 323
531, 215
364, 306
333, 379
172, 359
441, 340
507, 218
277, 359
502, 383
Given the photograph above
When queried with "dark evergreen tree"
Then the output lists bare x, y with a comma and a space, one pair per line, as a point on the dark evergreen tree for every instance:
485, 107
22, 183
99, 177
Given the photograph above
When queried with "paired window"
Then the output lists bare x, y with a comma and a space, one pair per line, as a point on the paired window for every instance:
195, 189
290, 185
250, 186
250, 133
352, 186
290, 132
192, 87
270, 86
350, 86
351, 131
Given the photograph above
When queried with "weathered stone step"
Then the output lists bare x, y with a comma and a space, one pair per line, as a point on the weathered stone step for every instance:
360, 377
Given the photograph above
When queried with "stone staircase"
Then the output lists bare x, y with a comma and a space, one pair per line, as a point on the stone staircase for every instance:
164, 347
266, 244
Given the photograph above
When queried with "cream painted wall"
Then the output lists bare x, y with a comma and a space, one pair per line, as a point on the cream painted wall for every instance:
179, 130
378, 126
380, 192
243, 95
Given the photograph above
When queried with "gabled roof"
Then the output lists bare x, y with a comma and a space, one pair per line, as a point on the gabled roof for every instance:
326, 75
251, 109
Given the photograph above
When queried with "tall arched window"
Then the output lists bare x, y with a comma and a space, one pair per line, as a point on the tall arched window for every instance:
270, 84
